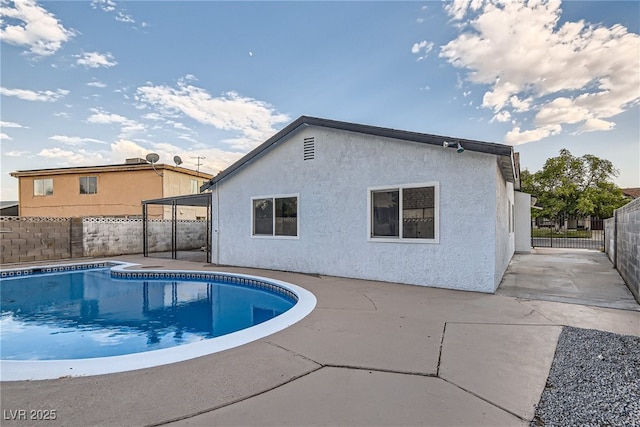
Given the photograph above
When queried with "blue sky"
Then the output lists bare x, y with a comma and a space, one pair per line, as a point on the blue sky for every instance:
89, 83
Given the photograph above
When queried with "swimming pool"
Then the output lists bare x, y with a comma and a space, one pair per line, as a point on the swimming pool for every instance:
98, 318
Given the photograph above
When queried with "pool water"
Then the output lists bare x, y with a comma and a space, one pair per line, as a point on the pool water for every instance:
89, 314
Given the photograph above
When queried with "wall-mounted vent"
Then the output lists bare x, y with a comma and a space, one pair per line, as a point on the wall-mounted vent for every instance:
309, 148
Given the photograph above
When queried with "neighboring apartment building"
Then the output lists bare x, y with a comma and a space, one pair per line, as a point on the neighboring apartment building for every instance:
111, 190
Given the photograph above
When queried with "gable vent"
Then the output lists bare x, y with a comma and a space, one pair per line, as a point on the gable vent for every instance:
309, 148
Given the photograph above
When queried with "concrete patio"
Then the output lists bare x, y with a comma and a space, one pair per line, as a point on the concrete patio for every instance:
371, 353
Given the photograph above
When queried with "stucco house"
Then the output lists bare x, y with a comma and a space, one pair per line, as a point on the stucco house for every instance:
107, 190
352, 200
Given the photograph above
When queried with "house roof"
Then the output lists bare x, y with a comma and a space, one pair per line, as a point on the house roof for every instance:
8, 204
107, 168
634, 193
507, 159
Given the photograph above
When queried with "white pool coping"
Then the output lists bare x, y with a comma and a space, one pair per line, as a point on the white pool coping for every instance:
21, 370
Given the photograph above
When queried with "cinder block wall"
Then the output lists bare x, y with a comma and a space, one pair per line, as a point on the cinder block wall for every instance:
34, 239
623, 248
27, 239
116, 236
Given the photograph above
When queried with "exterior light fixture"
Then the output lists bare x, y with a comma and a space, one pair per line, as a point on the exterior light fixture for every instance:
459, 148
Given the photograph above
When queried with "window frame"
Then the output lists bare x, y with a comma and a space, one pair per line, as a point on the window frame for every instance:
273, 198
87, 177
399, 238
44, 193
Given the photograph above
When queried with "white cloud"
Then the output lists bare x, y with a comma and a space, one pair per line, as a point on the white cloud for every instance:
212, 160
152, 116
178, 125
74, 140
127, 126
254, 120
123, 17
596, 124
575, 73
4, 124
516, 137
76, 157
457, 9
15, 153
96, 60
5, 137
105, 5
502, 116
97, 84
38, 30
423, 47
110, 6
30, 95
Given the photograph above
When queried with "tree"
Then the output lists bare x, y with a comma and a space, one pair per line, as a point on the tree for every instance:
574, 186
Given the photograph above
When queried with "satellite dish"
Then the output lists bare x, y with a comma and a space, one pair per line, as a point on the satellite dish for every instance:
177, 160
152, 158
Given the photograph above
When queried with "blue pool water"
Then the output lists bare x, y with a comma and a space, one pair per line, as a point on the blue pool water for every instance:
89, 314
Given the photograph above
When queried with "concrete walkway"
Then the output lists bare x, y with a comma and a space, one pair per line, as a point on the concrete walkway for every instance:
575, 276
371, 353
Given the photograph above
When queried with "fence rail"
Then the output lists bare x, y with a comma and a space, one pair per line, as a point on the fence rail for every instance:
578, 233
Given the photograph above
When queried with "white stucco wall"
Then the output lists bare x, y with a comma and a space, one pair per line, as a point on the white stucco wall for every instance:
504, 228
523, 222
333, 214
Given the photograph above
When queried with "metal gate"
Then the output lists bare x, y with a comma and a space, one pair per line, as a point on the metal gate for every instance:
569, 232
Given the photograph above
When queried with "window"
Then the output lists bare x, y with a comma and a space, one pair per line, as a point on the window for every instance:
194, 186
43, 187
275, 216
88, 184
404, 213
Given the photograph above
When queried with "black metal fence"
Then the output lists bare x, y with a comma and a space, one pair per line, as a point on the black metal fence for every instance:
579, 233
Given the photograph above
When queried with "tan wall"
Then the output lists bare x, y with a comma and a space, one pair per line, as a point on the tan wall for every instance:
176, 184
119, 193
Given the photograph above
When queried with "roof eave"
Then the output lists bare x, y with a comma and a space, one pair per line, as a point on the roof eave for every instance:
504, 153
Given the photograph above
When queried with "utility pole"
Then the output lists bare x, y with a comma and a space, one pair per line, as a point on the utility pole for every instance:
198, 157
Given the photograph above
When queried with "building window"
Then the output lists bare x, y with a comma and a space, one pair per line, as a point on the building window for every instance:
275, 216
408, 213
88, 184
194, 186
43, 187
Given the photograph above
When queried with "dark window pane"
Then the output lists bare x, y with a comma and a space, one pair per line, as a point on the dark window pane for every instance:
287, 216
418, 210
385, 205
263, 217
88, 185
93, 185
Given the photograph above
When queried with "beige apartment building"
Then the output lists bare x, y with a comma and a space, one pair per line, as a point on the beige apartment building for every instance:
111, 190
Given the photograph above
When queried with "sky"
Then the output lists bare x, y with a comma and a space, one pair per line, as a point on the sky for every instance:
95, 82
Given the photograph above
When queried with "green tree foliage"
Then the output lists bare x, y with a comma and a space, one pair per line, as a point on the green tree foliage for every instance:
574, 186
